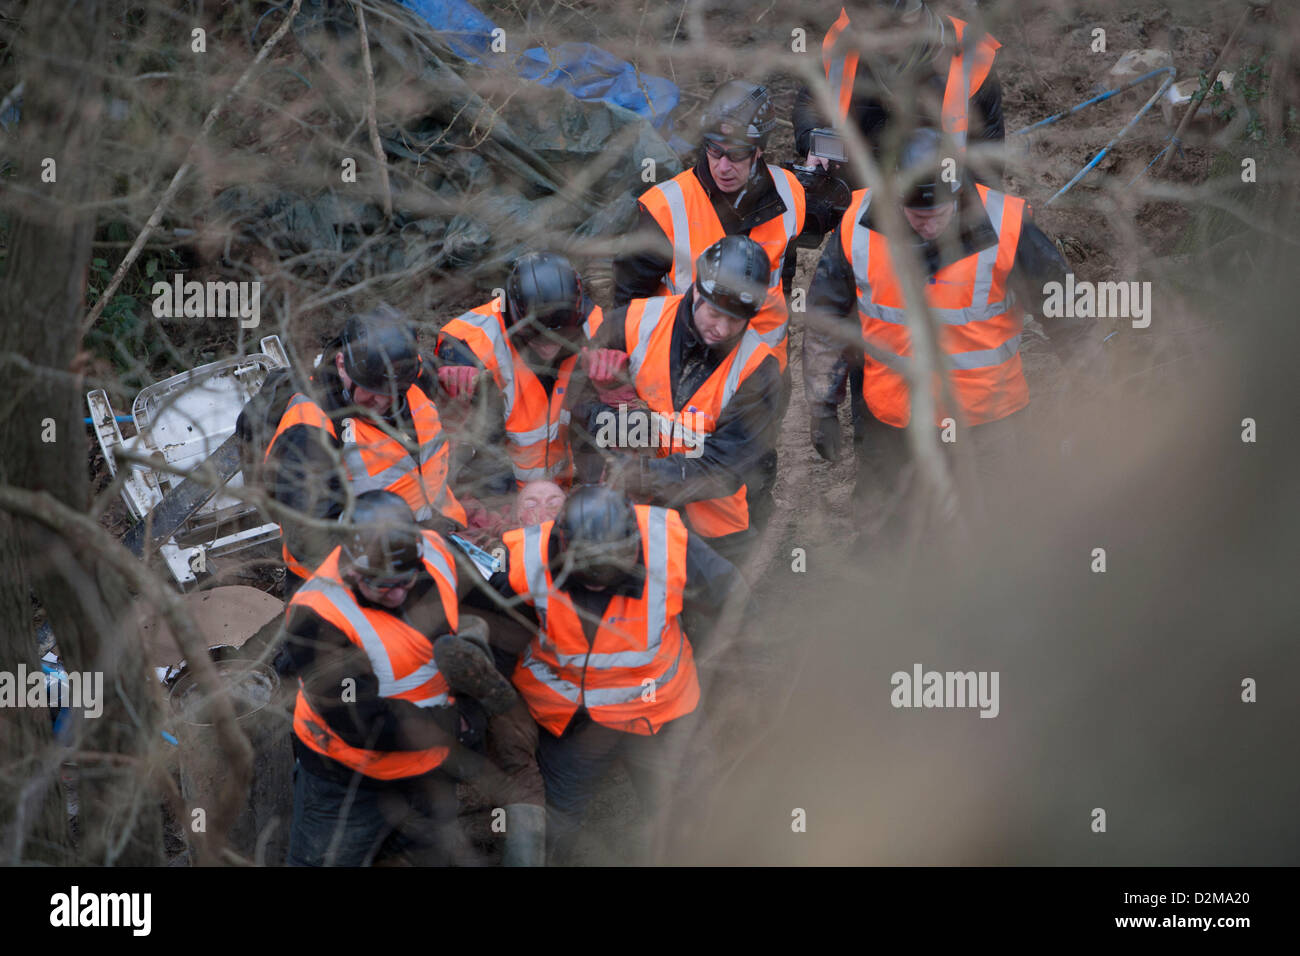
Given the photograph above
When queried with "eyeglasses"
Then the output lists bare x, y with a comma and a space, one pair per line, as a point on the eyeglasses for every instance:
390, 583
737, 154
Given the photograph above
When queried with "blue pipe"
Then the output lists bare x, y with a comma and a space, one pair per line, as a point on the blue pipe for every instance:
1096, 99
1092, 163
116, 418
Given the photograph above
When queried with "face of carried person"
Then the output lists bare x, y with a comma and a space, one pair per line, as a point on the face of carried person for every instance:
537, 502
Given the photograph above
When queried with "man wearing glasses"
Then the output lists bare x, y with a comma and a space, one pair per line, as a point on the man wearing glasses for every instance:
733, 191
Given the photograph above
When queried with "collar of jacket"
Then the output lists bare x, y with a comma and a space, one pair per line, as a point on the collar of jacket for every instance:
759, 201
975, 231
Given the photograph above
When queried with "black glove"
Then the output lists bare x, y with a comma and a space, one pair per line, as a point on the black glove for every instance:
825, 432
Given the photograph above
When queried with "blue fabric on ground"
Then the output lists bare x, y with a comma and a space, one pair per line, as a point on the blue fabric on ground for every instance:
588, 72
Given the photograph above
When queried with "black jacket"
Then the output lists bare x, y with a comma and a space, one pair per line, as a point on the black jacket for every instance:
833, 335
647, 254
324, 658
735, 453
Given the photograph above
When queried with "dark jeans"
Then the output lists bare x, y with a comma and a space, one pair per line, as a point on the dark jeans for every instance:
337, 824
887, 478
574, 764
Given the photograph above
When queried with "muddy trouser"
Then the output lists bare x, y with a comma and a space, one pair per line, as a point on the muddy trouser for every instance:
858, 404
339, 824
510, 775
737, 547
886, 473
574, 764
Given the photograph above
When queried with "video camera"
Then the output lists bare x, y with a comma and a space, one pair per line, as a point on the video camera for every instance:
826, 193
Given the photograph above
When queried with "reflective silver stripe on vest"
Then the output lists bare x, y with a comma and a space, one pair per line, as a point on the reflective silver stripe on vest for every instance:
650, 318
656, 599
862, 249
980, 358
607, 696
389, 686
548, 432
431, 448
789, 220
490, 327
535, 570
433, 556
968, 46
540, 474
363, 481
748, 343
836, 79
774, 337
542, 671
683, 266
980, 309
984, 265
963, 316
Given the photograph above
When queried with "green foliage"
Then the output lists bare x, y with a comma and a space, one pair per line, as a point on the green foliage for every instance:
1250, 82
122, 335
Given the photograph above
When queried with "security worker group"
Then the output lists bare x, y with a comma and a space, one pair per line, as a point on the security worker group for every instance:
481, 592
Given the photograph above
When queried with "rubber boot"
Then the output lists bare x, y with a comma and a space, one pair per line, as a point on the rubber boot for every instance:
465, 660
525, 835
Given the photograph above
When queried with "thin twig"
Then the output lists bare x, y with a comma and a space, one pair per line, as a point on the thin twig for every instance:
175, 185
371, 119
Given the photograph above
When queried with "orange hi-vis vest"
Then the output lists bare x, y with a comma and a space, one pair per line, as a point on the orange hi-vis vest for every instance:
377, 459
401, 657
537, 424
649, 332
638, 673
980, 322
301, 410
683, 211
966, 74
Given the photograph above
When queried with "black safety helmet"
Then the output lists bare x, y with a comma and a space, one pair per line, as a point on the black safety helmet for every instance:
738, 114
920, 163
379, 351
543, 292
599, 540
732, 276
384, 545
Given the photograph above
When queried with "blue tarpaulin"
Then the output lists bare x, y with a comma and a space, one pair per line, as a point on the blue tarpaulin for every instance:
586, 71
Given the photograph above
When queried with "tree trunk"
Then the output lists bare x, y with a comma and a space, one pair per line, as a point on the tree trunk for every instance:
60, 54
